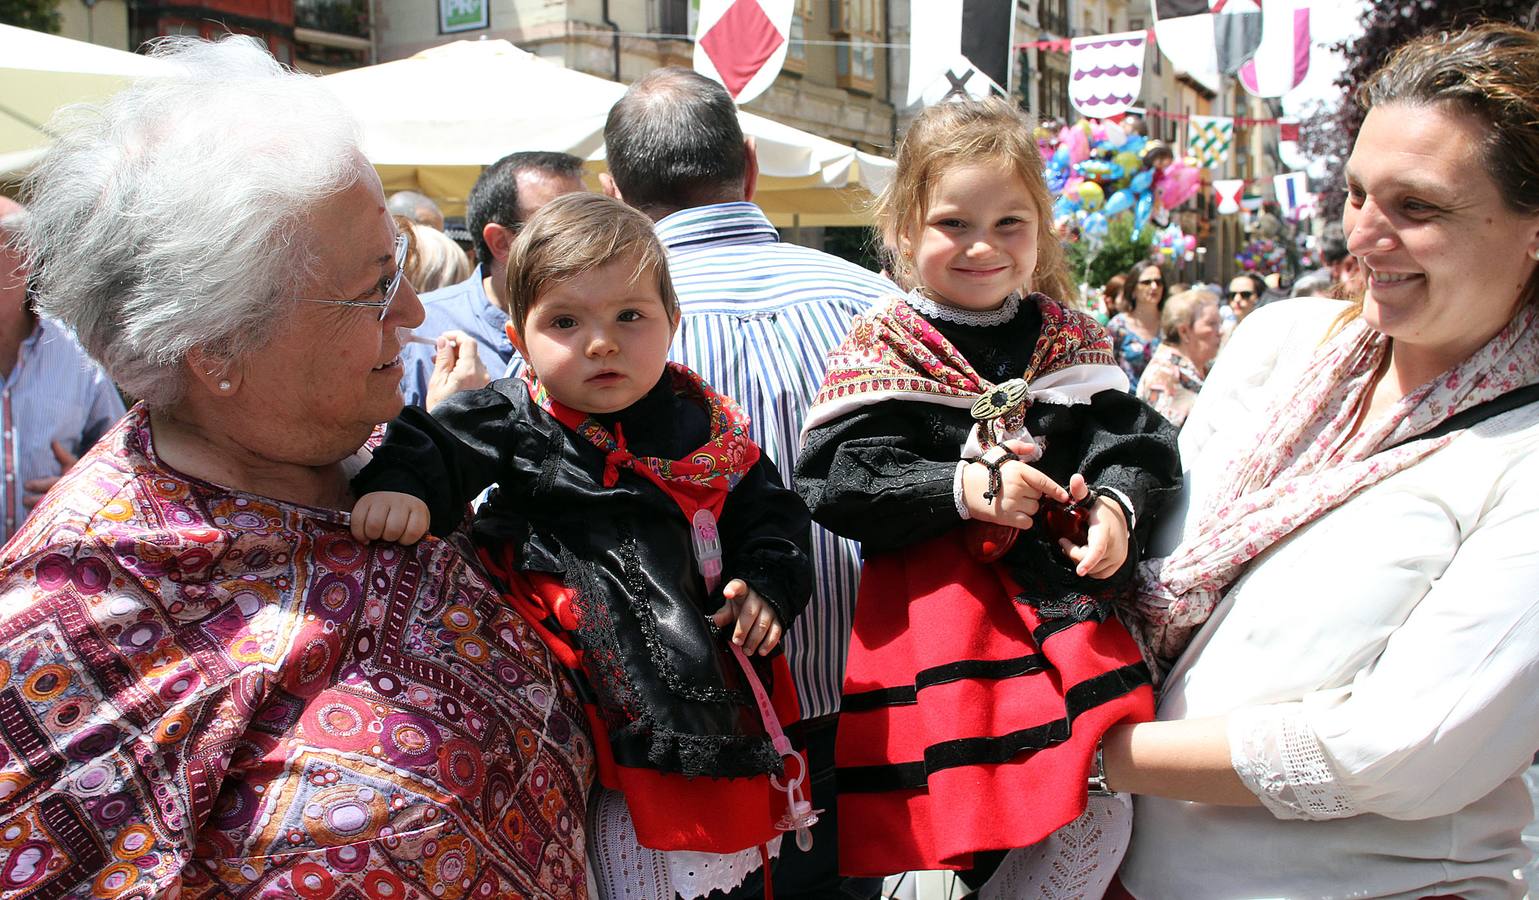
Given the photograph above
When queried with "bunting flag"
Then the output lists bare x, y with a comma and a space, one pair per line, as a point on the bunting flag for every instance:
947, 60
1206, 38
742, 43
1237, 27
986, 29
1208, 138
1106, 73
1292, 191
935, 42
1229, 191
1282, 60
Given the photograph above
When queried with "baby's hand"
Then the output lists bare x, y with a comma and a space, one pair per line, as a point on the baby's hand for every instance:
1106, 547
1021, 489
758, 628
390, 516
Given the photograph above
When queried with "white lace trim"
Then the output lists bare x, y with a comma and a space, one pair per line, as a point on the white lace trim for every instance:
698, 874
1076, 861
957, 497
622, 869
927, 307
1278, 757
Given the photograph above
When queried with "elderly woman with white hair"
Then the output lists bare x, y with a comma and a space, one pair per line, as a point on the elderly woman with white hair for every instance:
1189, 339
208, 686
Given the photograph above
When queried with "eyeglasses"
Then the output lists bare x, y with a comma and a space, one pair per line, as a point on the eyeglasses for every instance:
1243, 295
401, 247
1151, 281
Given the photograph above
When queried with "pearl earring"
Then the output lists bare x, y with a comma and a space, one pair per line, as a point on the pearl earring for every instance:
224, 385
1535, 254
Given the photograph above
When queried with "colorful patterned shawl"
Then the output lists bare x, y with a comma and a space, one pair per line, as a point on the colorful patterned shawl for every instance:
210, 692
894, 353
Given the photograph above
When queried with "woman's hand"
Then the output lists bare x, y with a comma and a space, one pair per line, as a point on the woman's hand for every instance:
1021, 489
1106, 547
758, 628
457, 367
390, 516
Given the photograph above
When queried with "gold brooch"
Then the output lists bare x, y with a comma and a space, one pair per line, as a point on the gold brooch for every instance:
999, 400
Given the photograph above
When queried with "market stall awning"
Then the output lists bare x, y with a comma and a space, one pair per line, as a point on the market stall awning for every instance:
432, 121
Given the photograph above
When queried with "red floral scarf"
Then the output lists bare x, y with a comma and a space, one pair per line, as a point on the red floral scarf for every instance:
701, 480
895, 353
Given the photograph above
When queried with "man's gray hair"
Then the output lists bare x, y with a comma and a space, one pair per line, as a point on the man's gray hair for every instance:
176, 215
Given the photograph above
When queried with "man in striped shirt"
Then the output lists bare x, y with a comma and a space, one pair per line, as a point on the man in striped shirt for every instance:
758, 319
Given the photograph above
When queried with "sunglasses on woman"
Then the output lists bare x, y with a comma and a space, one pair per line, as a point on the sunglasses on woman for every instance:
1242, 295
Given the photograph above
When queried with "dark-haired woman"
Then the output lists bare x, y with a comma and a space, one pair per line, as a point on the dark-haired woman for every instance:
1135, 334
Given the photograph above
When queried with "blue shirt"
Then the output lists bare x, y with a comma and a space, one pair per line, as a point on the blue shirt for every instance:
55, 393
466, 307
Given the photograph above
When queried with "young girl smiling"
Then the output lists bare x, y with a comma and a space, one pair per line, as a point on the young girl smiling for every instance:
957, 436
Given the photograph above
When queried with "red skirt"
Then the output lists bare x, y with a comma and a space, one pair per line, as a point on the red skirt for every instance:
968, 721
670, 811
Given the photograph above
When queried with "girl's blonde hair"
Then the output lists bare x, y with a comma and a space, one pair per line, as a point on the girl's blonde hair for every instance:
965, 132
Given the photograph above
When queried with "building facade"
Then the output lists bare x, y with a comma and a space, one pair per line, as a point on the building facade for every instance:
835, 82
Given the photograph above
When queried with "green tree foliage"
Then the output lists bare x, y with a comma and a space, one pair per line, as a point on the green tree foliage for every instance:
1330, 129
38, 15
1095, 265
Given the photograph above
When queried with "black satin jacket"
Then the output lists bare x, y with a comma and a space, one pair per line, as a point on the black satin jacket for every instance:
670, 691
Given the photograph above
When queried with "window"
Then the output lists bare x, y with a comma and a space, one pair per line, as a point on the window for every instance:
796, 50
673, 17
855, 65
861, 17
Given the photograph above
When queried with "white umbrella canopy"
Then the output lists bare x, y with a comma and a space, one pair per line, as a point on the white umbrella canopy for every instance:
431, 122
39, 73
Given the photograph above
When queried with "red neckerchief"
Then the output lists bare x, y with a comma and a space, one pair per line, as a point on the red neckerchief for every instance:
701, 480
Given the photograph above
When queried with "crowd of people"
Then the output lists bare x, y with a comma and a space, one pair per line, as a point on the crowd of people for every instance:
637, 553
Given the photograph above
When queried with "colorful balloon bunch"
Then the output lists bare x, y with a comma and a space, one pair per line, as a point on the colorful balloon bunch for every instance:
1098, 172
1172, 244
1263, 255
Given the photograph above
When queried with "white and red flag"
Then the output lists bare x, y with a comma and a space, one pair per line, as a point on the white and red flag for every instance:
742, 43
1229, 192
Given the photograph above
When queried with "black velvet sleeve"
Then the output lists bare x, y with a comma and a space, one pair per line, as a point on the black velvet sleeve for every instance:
766, 535
448, 457
883, 475
1131, 448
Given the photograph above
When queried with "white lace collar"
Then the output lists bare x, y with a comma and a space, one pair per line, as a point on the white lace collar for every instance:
983, 319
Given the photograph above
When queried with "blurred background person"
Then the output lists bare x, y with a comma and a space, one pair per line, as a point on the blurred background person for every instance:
419, 208
210, 688
1111, 299
506, 194
436, 261
1312, 284
1136, 333
1342, 265
1242, 297
1189, 340
54, 401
